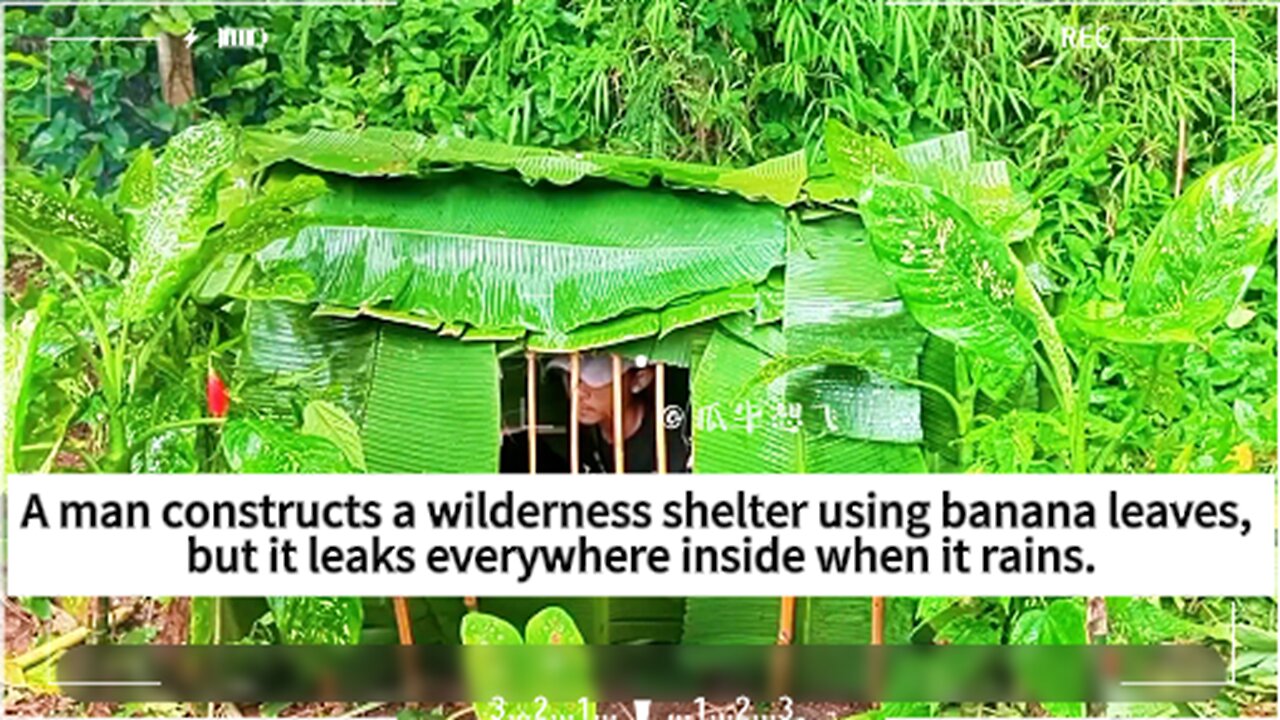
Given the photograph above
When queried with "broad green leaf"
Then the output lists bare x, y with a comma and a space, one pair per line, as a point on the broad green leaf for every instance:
174, 451
858, 160
276, 213
925, 217
678, 349
325, 419
202, 625
778, 179
166, 234
944, 163
421, 403
1201, 257
318, 620
268, 446
1061, 623
433, 405
983, 189
138, 183
552, 626
1177, 327
1141, 621
72, 231
634, 327
489, 676
609, 332
371, 152
563, 675
731, 621
958, 279
491, 252
982, 629
483, 629
388, 153
22, 344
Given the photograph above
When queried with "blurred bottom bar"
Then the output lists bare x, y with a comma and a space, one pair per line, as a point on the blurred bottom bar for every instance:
814, 673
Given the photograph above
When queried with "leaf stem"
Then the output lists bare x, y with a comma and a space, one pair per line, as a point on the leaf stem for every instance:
1076, 426
169, 426
1054, 349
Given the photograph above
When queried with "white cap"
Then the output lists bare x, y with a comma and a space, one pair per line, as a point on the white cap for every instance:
597, 370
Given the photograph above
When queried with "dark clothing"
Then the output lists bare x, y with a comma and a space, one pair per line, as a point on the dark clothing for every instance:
596, 453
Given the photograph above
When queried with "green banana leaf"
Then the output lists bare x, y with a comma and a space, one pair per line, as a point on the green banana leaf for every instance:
491, 252
838, 299
421, 403
657, 324
74, 231
388, 153
678, 348
1201, 257
818, 621
173, 204
374, 152
745, 427
433, 405
290, 358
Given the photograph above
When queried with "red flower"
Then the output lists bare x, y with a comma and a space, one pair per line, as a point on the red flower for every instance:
215, 395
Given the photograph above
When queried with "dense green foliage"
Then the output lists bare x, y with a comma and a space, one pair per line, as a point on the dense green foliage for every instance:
1054, 310
1092, 135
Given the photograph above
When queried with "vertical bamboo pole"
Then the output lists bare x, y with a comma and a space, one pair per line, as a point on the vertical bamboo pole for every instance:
575, 439
659, 417
877, 620
875, 670
787, 621
531, 413
404, 626
780, 666
619, 455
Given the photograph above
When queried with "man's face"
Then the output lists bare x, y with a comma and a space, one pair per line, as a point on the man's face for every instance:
595, 404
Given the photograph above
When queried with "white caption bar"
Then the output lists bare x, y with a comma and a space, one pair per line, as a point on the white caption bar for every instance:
809, 535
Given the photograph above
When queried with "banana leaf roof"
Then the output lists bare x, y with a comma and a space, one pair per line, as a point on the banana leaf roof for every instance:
434, 244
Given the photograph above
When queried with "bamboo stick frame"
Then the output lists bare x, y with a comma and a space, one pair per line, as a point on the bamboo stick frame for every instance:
619, 407
877, 620
575, 432
404, 624
531, 411
786, 620
659, 418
